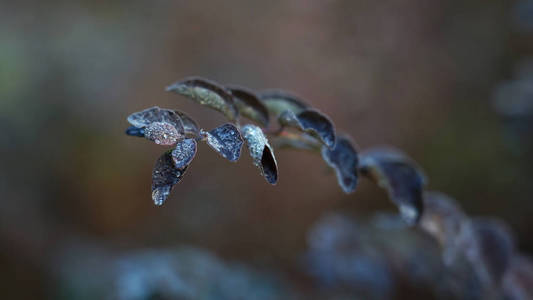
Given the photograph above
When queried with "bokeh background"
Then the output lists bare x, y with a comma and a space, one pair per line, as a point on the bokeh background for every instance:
449, 82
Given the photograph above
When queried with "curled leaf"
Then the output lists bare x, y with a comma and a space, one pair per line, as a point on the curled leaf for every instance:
135, 131
226, 140
400, 176
189, 125
296, 141
249, 105
491, 250
344, 159
207, 93
311, 121
443, 219
164, 176
278, 101
261, 152
518, 279
184, 153
162, 126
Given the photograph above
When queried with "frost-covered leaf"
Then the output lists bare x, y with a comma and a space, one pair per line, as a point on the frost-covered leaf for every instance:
278, 101
343, 159
226, 140
312, 122
249, 105
184, 153
189, 125
164, 176
207, 93
261, 152
162, 133
154, 114
400, 176
443, 219
298, 141
162, 126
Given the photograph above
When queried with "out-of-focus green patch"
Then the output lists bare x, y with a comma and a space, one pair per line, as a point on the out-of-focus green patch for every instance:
468, 158
14, 72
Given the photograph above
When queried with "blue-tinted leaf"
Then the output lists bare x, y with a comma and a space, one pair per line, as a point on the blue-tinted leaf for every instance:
443, 219
207, 93
184, 153
249, 105
278, 101
189, 125
155, 114
400, 176
162, 126
343, 159
493, 248
164, 176
311, 121
135, 131
226, 140
518, 279
261, 152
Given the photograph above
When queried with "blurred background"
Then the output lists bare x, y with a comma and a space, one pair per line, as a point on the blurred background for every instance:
449, 82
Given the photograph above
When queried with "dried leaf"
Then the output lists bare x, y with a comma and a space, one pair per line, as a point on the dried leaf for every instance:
164, 176
311, 121
443, 219
261, 152
344, 159
278, 101
249, 105
207, 93
400, 176
226, 140
162, 126
296, 141
184, 153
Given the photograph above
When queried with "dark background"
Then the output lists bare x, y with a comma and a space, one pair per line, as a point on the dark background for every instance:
423, 76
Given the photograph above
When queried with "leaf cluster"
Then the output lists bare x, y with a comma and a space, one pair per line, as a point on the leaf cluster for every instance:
299, 126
